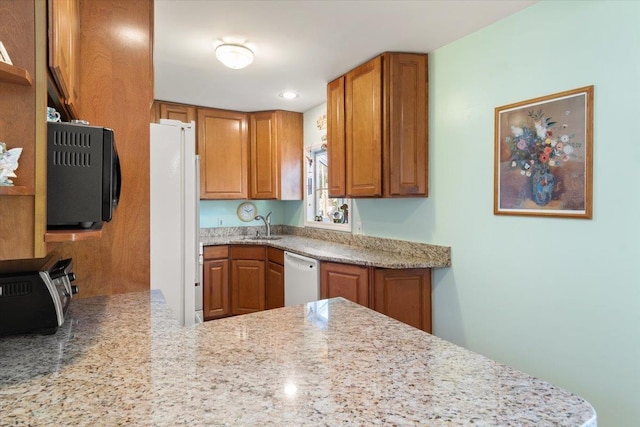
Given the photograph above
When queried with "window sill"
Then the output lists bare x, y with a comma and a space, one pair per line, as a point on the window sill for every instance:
346, 228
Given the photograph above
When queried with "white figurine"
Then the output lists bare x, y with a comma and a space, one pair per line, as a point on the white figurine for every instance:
8, 163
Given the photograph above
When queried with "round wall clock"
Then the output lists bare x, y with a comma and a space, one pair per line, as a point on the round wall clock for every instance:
247, 211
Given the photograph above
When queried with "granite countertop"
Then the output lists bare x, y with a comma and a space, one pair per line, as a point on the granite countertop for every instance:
123, 360
337, 247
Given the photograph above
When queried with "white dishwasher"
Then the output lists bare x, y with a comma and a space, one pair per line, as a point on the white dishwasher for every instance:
301, 279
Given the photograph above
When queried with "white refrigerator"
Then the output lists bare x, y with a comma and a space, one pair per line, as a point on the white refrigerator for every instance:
176, 253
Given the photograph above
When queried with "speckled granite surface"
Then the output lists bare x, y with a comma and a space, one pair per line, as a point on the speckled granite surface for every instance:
122, 360
336, 246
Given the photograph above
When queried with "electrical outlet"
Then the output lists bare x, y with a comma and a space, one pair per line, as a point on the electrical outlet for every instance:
220, 222
358, 227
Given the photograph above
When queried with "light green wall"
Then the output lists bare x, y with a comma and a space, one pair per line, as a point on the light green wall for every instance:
557, 298
211, 211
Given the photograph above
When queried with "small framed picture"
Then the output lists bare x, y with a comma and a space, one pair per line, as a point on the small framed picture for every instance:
4, 56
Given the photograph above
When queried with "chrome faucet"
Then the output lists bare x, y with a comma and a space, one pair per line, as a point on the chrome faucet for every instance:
267, 222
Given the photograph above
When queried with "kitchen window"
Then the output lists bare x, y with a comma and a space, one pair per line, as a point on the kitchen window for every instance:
321, 211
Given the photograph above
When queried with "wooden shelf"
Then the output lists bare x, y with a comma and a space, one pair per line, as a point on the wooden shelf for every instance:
12, 74
59, 236
17, 190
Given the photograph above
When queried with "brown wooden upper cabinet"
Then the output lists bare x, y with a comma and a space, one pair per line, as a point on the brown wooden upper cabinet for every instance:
335, 137
276, 155
64, 50
243, 155
383, 120
169, 110
223, 146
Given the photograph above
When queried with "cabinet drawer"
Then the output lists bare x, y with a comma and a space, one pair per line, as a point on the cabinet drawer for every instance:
275, 255
248, 252
211, 252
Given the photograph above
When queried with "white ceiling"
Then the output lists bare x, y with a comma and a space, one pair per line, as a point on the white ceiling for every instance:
299, 45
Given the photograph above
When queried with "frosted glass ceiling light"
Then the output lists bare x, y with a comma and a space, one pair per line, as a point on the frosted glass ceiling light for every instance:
234, 56
289, 95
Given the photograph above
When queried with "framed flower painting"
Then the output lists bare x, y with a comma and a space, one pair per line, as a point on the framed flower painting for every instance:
543, 156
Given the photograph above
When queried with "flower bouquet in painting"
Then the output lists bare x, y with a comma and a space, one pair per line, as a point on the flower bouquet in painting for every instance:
543, 156
536, 150
8, 164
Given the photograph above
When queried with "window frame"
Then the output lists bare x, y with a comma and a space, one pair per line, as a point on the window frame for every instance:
310, 186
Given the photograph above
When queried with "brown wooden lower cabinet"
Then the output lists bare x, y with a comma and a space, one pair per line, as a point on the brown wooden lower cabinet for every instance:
404, 295
245, 279
275, 278
248, 280
345, 280
216, 301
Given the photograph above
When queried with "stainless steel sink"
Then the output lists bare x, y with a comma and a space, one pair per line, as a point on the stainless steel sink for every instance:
260, 238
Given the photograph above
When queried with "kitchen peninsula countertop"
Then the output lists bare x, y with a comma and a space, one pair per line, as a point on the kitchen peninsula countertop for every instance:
336, 247
123, 360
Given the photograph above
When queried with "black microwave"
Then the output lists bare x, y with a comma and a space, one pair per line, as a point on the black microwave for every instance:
83, 175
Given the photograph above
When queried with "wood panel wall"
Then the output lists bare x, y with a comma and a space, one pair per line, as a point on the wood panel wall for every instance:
116, 91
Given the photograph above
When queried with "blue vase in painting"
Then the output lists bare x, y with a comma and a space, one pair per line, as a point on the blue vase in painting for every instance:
542, 184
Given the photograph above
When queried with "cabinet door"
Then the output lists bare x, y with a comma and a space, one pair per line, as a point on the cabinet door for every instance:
363, 101
64, 49
224, 152
404, 295
216, 289
275, 285
183, 113
344, 280
264, 156
289, 126
247, 285
405, 113
336, 138
276, 155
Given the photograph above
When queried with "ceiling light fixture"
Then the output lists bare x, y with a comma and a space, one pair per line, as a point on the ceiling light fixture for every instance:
234, 56
289, 95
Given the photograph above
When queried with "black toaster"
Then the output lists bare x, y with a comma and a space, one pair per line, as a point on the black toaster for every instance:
36, 301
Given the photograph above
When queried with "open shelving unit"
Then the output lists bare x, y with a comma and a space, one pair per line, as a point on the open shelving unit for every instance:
15, 75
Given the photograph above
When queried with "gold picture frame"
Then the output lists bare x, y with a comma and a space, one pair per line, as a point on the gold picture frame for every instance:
543, 159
